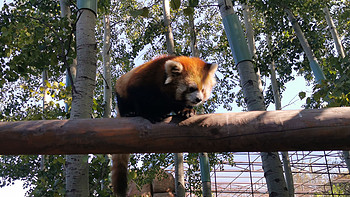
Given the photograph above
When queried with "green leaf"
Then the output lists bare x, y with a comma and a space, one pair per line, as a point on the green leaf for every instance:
145, 12
188, 11
140, 12
135, 13
302, 95
175, 4
308, 101
193, 3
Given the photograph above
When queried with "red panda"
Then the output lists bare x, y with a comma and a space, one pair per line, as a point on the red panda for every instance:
155, 89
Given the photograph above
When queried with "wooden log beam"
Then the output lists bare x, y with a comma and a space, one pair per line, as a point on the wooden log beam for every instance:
325, 129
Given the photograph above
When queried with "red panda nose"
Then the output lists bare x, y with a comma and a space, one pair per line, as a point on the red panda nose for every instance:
198, 100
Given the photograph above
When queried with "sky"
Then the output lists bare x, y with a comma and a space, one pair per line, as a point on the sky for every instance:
14, 190
291, 93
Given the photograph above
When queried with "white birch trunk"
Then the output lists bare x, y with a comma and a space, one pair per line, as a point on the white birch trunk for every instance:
277, 98
178, 157
255, 102
45, 104
65, 10
77, 174
76, 165
204, 159
340, 50
193, 37
318, 73
45, 91
250, 38
304, 43
249, 29
107, 90
335, 35
168, 33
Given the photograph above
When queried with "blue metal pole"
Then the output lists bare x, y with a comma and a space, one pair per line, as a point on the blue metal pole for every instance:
205, 174
316, 69
236, 39
87, 4
235, 34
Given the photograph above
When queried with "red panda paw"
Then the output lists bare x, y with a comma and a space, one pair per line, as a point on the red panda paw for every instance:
187, 112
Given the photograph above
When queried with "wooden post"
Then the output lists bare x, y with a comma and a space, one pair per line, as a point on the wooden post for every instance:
295, 130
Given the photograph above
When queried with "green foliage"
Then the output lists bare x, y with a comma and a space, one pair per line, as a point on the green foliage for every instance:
335, 90
151, 166
286, 51
140, 12
175, 4
99, 172
43, 176
338, 189
31, 39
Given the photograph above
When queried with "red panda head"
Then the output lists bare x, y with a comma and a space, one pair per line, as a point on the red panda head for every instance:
193, 78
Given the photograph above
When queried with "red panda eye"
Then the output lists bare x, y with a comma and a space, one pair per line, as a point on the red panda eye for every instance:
192, 89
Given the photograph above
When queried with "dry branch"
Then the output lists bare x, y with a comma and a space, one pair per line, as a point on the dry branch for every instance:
326, 129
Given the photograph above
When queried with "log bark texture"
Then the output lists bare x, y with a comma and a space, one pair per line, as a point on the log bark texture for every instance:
324, 129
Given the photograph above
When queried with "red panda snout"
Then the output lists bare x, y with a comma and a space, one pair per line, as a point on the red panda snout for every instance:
194, 98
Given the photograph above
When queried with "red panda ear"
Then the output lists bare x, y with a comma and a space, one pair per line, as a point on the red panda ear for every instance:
172, 69
212, 68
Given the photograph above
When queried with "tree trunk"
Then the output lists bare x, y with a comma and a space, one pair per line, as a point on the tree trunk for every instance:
193, 36
315, 67
168, 33
340, 50
249, 29
178, 157
277, 98
77, 171
250, 39
335, 35
45, 104
295, 130
107, 90
274, 84
253, 96
71, 71
45, 91
203, 158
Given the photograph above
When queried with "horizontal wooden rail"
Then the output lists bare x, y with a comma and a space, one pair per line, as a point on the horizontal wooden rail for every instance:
325, 129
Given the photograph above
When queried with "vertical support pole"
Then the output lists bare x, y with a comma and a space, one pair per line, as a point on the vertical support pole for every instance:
205, 174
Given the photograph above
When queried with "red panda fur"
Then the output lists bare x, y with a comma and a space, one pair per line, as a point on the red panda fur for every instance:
155, 89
